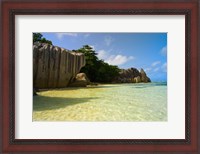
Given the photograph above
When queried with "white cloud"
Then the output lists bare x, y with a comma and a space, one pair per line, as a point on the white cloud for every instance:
147, 69
163, 51
101, 54
86, 35
164, 67
118, 59
155, 63
113, 59
157, 66
61, 35
108, 40
156, 69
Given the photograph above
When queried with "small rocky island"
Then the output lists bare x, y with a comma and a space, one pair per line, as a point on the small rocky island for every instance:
56, 67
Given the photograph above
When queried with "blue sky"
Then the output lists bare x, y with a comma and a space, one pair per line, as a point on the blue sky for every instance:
126, 50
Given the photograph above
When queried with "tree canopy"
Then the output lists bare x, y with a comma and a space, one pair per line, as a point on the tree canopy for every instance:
38, 37
97, 70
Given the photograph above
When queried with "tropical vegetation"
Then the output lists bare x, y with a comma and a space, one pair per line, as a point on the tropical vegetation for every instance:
97, 70
38, 37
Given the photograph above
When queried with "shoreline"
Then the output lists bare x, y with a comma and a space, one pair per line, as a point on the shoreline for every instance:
98, 85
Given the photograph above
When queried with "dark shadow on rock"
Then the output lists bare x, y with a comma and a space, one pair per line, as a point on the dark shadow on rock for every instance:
42, 103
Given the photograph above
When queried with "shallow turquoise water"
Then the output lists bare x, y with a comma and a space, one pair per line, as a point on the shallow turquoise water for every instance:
110, 102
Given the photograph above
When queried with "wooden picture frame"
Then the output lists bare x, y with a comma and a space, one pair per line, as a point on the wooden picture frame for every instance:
11, 8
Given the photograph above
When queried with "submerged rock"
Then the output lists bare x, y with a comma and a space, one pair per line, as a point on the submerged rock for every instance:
55, 67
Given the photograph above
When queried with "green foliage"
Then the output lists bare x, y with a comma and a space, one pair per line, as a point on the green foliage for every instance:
97, 70
37, 37
43, 40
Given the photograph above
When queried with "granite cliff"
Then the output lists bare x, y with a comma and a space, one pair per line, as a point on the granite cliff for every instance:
55, 67
132, 75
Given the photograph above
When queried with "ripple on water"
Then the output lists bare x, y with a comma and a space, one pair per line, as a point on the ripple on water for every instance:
118, 102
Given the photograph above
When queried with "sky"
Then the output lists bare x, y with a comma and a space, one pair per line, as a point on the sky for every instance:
126, 50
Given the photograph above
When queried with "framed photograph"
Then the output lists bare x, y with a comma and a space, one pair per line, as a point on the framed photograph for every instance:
103, 76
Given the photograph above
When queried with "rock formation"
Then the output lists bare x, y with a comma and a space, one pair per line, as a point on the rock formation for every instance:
132, 75
144, 77
81, 80
54, 67
137, 79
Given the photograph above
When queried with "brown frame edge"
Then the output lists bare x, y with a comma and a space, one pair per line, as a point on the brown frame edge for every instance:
12, 145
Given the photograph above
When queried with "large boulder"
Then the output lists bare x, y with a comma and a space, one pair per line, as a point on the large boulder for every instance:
54, 67
81, 80
82, 77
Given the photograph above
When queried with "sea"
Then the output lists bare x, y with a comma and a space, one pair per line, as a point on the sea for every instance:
132, 102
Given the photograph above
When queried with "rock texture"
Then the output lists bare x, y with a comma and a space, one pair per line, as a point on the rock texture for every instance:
54, 67
144, 77
81, 80
132, 75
